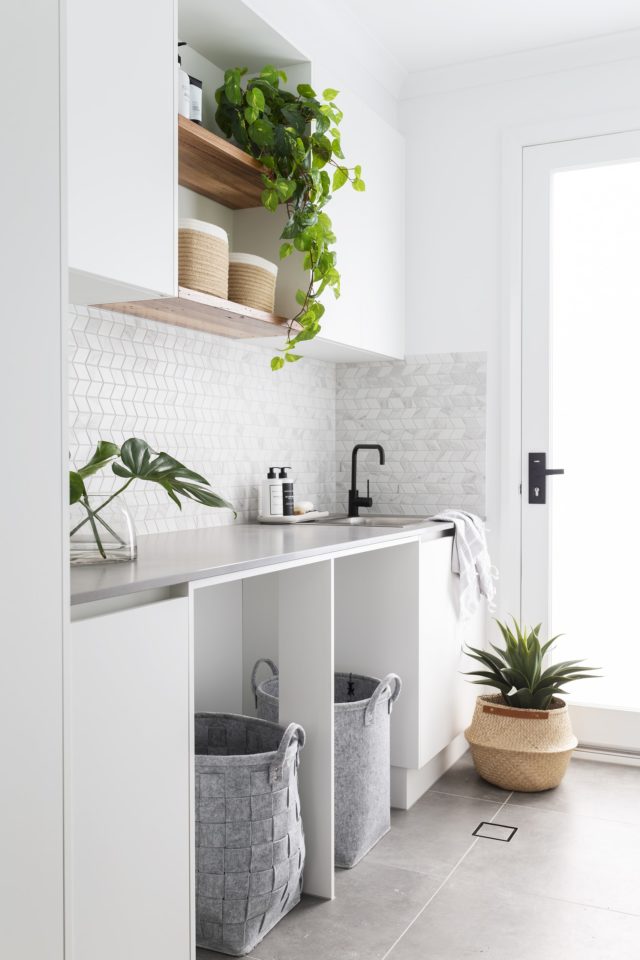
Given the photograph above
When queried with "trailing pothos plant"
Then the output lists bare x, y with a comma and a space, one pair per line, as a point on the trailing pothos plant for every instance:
135, 460
296, 138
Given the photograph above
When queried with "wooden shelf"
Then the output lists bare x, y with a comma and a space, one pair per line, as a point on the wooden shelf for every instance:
221, 171
216, 168
201, 311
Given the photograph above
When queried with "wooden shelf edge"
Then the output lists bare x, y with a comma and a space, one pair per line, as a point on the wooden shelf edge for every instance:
216, 168
201, 311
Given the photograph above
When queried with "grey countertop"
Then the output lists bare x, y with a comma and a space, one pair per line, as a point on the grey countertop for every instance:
167, 559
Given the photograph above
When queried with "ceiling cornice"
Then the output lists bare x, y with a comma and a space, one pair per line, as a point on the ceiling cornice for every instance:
528, 63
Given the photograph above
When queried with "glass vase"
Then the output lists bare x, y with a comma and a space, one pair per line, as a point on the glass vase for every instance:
102, 531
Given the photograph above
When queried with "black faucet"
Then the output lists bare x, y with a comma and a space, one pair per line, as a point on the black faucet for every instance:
355, 501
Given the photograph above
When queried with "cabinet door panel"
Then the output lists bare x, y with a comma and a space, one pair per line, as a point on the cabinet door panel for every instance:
441, 686
128, 837
121, 127
370, 229
377, 632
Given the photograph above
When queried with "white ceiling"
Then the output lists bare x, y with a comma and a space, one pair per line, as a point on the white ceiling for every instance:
423, 34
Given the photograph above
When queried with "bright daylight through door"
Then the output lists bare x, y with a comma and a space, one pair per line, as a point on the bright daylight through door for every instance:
595, 409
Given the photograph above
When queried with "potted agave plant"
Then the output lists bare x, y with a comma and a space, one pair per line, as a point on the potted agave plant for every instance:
101, 527
521, 738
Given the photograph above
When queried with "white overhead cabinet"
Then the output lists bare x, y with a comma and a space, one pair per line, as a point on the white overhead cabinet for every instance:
121, 61
369, 315
368, 319
125, 163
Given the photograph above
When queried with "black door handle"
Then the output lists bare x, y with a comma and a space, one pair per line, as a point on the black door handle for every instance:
538, 473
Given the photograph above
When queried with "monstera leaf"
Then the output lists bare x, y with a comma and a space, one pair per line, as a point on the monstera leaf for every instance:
76, 487
135, 460
139, 462
105, 452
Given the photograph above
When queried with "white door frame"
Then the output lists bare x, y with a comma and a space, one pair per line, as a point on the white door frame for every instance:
513, 143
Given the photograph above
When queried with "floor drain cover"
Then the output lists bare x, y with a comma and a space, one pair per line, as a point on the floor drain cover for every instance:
494, 831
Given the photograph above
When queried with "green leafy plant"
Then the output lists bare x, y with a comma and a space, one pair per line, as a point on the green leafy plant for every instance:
135, 460
517, 669
296, 138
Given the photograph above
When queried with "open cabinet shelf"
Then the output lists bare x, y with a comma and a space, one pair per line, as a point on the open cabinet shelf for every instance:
201, 311
215, 168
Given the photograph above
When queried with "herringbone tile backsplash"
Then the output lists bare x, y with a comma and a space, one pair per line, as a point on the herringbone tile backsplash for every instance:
215, 404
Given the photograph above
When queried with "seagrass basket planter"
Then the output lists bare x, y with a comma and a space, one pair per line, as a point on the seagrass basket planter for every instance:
520, 749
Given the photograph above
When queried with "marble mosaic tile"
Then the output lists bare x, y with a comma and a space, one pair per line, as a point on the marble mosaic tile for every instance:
215, 404
212, 403
429, 413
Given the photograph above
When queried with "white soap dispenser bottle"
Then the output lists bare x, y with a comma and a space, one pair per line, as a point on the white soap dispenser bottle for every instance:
271, 505
183, 84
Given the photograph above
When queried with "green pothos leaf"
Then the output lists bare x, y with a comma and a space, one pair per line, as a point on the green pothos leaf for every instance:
269, 199
340, 177
295, 136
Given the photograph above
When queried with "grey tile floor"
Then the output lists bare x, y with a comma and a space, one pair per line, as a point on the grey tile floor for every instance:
567, 883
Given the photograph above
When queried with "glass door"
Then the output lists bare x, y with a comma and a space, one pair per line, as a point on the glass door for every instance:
580, 414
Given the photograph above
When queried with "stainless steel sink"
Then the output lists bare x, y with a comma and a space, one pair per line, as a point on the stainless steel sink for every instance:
373, 520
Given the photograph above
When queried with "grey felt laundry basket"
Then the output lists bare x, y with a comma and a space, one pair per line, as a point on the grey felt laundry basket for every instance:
362, 706
249, 838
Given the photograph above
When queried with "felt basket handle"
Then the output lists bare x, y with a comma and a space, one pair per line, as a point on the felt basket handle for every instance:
391, 682
293, 731
254, 673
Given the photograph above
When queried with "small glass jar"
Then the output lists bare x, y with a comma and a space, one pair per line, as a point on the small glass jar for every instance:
101, 531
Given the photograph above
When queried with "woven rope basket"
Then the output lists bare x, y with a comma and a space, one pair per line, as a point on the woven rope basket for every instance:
362, 722
203, 258
516, 749
252, 281
249, 840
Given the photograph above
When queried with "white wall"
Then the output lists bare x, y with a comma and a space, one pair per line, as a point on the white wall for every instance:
31, 486
454, 187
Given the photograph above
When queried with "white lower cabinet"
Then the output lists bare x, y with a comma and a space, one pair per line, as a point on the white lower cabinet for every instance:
396, 611
446, 698
128, 718
128, 771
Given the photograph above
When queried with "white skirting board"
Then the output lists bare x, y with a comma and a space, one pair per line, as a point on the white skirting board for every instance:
596, 755
407, 786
